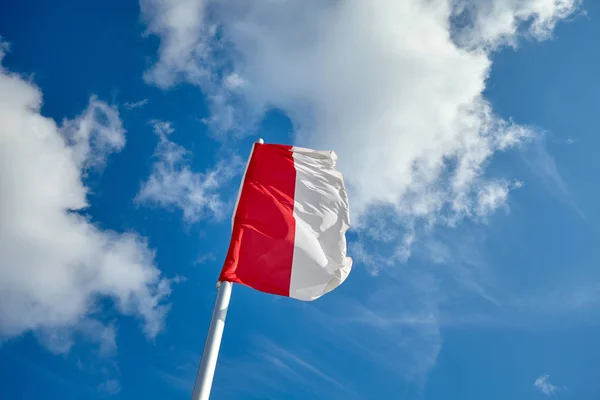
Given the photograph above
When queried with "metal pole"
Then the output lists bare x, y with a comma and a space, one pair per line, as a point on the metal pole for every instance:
206, 371
208, 364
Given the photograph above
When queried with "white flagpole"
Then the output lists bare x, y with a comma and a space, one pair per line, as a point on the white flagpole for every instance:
208, 364
206, 371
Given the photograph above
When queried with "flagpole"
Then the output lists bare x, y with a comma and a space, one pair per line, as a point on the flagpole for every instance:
208, 364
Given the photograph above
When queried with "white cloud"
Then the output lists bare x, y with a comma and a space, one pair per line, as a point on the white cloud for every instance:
542, 383
205, 258
135, 104
395, 87
181, 22
111, 386
94, 134
491, 197
498, 22
233, 81
61, 339
56, 263
172, 182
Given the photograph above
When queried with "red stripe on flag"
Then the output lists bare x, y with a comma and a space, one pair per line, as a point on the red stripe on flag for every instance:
262, 242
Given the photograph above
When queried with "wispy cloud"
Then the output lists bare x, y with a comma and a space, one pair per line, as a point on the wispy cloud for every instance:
542, 383
291, 362
396, 328
111, 387
396, 320
544, 166
94, 134
182, 376
173, 183
60, 340
205, 258
275, 366
136, 104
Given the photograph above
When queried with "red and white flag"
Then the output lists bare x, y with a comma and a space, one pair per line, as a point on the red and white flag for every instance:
289, 224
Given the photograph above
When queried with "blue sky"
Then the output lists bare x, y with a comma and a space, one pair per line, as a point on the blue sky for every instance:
467, 137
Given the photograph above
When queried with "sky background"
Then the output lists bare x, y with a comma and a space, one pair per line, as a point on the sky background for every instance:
467, 133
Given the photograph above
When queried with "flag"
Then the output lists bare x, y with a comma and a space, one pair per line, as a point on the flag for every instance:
289, 224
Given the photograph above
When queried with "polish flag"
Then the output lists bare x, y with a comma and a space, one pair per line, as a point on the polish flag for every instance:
289, 224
